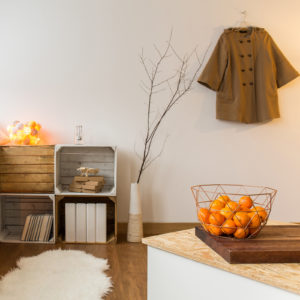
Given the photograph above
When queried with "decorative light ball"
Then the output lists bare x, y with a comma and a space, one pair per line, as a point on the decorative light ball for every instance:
20, 126
21, 134
14, 130
34, 132
26, 141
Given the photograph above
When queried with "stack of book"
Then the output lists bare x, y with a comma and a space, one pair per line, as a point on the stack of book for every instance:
86, 222
87, 184
37, 228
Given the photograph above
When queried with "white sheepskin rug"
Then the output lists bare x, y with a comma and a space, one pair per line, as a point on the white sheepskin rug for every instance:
57, 275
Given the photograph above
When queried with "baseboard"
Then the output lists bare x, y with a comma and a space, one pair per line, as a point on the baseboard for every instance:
158, 228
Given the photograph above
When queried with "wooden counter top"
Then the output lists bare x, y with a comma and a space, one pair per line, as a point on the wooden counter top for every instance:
186, 244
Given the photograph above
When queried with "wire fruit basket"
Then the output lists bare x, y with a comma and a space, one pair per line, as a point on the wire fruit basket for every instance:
232, 210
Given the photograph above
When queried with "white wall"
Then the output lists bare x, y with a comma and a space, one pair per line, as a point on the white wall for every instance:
68, 62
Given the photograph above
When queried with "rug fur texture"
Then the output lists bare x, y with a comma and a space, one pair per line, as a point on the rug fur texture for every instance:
57, 275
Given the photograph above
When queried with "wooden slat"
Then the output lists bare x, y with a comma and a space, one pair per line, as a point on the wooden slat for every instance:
27, 150
26, 187
16, 178
14, 228
86, 150
88, 157
26, 160
77, 164
31, 206
26, 169
27, 199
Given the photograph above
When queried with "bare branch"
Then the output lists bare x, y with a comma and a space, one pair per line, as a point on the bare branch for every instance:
158, 155
145, 90
145, 67
179, 85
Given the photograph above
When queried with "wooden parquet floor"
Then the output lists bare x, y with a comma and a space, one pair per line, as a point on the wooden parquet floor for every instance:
128, 264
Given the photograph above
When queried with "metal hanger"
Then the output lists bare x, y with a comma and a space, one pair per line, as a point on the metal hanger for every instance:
243, 23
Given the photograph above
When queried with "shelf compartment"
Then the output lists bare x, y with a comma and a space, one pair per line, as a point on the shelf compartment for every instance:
111, 225
68, 158
13, 212
27, 169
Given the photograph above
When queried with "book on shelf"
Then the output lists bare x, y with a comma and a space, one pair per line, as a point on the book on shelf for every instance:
37, 228
91, 222
86, 222
81, 222
101, 218
70, 222
84, 184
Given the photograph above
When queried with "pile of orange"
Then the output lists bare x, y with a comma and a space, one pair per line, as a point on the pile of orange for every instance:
226, 217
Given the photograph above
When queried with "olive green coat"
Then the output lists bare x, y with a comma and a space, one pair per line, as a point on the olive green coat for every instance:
246, 68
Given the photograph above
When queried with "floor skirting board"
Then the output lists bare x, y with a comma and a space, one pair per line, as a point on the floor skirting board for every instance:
158, 228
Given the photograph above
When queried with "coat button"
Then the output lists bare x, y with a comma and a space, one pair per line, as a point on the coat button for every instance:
241, 41
242, 55
243, 70
250, 69
244, 83
248, 41
249, 55
251, 83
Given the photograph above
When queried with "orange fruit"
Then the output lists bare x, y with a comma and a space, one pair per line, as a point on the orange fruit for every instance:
203, 215
224, 199
215, 230
254, 231
241, 233
216, 205
261, 212
205, 226
245, 209
216, 219
233, 206
246, 202
228, 227
241, 219
254, 220
226, 212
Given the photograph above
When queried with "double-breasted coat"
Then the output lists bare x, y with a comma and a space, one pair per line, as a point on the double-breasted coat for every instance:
245, 69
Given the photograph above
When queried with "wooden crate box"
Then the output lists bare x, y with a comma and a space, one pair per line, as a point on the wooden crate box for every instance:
111, 214
15, 208
27, 169
68, 158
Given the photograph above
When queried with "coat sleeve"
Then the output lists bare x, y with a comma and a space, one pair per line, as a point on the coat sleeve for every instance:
285, 72
213, 73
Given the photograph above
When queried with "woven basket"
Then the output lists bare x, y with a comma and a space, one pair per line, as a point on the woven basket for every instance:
245, 224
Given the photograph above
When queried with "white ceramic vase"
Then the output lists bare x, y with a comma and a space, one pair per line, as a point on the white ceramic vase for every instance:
135, 222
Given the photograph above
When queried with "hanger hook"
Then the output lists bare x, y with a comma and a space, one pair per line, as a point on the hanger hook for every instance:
244, 14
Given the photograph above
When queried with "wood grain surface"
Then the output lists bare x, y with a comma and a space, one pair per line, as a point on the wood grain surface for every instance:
186, 244
274, 244
27, 169
128, 264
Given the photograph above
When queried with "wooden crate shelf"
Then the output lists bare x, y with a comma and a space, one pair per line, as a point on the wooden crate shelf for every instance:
27, 169
111, 214
68, 158
15, 208
35, 179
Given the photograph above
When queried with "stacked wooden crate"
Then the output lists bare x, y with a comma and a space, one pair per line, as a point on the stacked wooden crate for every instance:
27, 169
34, 180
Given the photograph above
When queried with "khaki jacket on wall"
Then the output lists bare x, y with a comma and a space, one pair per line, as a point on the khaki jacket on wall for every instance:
246, 68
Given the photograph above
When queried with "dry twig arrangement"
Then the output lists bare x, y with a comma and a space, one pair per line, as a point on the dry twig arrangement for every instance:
179, 84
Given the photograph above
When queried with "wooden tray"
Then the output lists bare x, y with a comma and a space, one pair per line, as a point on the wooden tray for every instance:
274, 244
